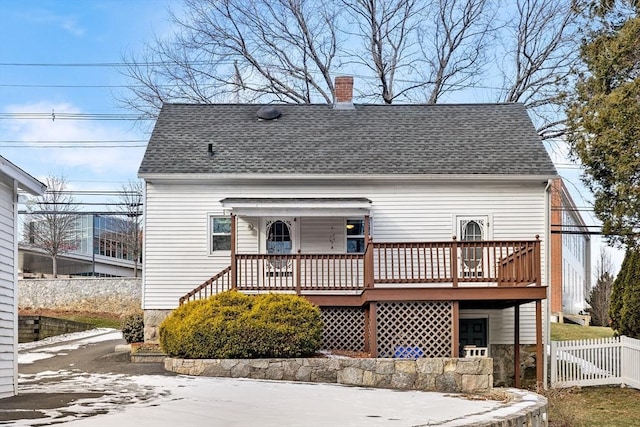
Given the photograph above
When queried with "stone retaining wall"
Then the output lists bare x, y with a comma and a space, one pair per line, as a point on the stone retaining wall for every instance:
468, 375
34, 328
121, 295
531, 410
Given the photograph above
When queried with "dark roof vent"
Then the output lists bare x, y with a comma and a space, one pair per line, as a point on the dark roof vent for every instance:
268, 112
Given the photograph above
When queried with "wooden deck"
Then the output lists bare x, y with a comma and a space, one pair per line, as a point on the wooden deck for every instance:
387, 268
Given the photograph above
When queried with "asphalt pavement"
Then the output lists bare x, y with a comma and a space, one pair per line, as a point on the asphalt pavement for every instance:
82, 381
70, 358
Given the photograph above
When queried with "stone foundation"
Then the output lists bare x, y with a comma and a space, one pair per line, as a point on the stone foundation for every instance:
503, 372
152, 321
466, 375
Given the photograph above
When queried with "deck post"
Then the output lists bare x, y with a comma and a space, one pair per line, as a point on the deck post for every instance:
367, 328
516, 345
368, 254
537, 259
455, 330
234, 265
454, 262
298, 272
539, 347
373, 329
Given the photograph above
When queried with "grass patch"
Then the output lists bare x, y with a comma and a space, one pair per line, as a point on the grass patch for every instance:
567, 332
97, 320
594, 406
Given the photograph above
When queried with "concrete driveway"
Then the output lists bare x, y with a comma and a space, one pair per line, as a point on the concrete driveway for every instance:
81, 381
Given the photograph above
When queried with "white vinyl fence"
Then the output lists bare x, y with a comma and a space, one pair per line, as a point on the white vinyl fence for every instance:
595, 362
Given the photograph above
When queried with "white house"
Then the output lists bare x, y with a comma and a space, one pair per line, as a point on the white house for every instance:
12, 179
418, 228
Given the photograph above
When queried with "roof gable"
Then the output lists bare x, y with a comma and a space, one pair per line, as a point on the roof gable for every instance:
492, 139
25, 181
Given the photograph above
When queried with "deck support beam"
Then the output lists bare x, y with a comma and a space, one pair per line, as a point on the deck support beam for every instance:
234, 263
373, 329
539, 347
455, 329
516, 346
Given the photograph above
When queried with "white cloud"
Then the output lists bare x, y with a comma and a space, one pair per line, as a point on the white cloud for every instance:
101, 163
68, 23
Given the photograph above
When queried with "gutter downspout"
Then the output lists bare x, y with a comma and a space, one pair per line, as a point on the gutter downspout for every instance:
547, 261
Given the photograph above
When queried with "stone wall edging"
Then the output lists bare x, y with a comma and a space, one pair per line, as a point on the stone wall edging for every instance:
447, 375
528, 409
531, 410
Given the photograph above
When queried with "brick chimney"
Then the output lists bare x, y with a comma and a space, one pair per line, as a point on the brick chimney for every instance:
344, 93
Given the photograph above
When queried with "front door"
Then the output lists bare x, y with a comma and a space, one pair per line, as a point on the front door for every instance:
279, 237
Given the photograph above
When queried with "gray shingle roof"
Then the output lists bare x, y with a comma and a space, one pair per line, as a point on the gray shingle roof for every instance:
372, 139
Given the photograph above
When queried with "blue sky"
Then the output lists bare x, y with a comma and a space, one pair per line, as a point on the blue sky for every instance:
71, 32
92, 32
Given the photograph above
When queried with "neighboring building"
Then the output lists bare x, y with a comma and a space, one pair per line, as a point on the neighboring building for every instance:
570, 256
411, 226
12, 180
99, 248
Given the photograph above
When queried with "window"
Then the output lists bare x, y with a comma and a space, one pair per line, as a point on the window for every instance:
355, 236
220, 233
278, 238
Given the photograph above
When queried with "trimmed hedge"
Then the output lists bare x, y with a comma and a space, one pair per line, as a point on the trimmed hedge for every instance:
232, 325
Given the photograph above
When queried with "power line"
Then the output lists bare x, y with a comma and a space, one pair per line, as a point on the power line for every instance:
97, 192
81, 213
76, 116
85, 204
81, 146
84, 141
89, 64
585, 233
196, 63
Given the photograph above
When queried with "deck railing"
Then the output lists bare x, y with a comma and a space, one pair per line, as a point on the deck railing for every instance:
453, 263
299, 272
219, 283
506, 263
502, 263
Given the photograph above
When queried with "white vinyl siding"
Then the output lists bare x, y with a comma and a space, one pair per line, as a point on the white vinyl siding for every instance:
247, 235
501, 324
177, 258
7, 292
322, 235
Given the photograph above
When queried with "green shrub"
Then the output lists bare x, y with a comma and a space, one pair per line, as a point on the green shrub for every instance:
133, 328
234, 325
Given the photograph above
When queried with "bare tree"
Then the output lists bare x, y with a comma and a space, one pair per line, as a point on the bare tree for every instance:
52, 223
412, 50
388, 30
129, 227
540, 50
454, 44
242, 50
599, 298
